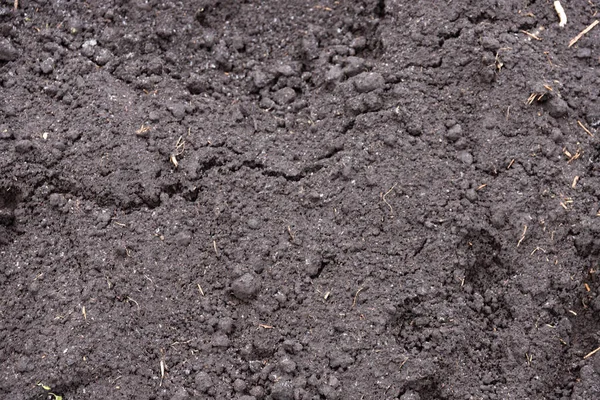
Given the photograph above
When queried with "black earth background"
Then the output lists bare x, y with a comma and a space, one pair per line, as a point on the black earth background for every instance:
303, 199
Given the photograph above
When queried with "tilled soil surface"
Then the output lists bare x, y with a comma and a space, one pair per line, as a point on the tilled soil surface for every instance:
299, 200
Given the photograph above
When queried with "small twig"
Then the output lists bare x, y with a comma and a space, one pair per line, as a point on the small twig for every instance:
355, 297
289, 229
561, 13
215, 247
385, 201
403, 362
522, 235
591, 353
585, 129
200, 289
536, 249
136, 303
583, 32
531, 35
16, 4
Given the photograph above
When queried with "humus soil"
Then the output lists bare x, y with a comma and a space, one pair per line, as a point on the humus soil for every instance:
299, 200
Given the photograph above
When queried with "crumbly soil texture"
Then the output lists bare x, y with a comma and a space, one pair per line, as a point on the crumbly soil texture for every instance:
376, 199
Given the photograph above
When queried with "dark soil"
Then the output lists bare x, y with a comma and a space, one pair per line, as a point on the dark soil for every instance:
281, 200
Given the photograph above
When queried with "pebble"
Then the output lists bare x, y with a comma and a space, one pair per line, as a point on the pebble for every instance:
57, 200
239, 385
454, 133
47, 65
153, 116
490, 43
226, 325
284, 96
287, 365
354, 66
368, 81
7, 217
180, 394
410, 395
359, 43
177, 110
221, 341
260, 79
340, 360
283, 390
584, 53
88, 47
7, 51
197, 84
557, 107
203, 382
465, 157
334, 74
253, 223
245, 287
103, 57
23, 146
471, 195
183, 238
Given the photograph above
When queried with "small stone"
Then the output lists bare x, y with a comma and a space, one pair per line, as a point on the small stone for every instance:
359, 43
47, 65
287, 365
177, 110
328, 392
490, 43
245, 287
260, 79
226, 325
354, 66
120, 251
454, 133
7, 51
266, 103
180, 394
471, 195
283, 390
368, 81
583, 53
203, 382
253, 223
221, 341
103, 57
284, 96
88, 48
285, 70
557, 107
257, 392
153, 116
7, 217
182, 238
465, 157
239, 385
410, 395
23, 146
334, 74
197, 84
340, 360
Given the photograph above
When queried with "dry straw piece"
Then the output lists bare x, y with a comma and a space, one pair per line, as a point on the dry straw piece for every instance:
561, 13
583, 32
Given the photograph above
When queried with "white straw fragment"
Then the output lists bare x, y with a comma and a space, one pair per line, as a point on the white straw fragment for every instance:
561, 13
